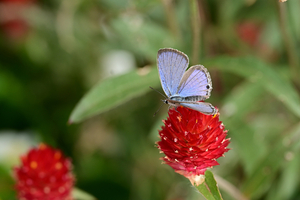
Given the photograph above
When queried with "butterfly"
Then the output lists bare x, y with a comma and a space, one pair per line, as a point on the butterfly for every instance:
184, 88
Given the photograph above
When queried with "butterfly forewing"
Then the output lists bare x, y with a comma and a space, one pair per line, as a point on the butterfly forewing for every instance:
171, 67
196, 81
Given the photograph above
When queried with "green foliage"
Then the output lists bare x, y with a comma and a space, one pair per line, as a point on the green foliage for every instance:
79, 194
209, 188
56, 72
113, 92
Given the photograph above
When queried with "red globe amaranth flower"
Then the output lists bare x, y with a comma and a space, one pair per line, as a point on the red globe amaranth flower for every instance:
44, 174
12, 17
249, 32
192, 142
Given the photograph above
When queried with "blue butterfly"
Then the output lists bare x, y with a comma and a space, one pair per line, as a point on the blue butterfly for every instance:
184, 88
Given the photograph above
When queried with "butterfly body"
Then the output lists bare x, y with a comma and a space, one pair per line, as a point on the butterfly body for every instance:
187, 99
184, 88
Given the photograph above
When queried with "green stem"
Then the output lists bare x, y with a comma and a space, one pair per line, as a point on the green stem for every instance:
196, 30
171, 18
209, 188
288, 43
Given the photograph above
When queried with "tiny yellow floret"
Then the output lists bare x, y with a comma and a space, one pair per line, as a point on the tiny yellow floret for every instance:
33, 164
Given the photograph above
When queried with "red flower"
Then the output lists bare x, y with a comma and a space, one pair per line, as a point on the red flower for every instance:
249, 32
192, 142
44, 174
12, 17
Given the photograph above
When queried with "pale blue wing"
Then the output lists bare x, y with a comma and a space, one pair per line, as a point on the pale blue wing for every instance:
171, 65
204, 107
196, 81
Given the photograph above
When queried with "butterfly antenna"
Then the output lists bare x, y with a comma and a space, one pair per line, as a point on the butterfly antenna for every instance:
158, 92
158, 110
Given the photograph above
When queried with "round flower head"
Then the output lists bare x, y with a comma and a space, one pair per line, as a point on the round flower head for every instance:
14, 23
192, 141
44, 174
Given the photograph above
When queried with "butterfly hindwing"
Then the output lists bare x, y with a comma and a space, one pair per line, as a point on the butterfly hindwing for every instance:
203, 107
171, 67
196, 81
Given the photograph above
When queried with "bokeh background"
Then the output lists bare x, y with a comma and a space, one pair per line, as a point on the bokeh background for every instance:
53, 52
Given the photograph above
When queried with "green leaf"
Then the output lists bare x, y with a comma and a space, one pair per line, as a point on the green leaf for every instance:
113, 92
287, 185
209, 188
244, 139
78, 194
271, 80
266, 170
240, 100
6, 183
143, 38
236, 105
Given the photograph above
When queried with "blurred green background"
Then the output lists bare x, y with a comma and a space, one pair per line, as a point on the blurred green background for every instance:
53, 52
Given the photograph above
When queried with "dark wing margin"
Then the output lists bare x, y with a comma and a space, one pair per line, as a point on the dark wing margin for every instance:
196, 81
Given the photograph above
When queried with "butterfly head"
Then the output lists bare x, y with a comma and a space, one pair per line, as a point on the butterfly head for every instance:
165, 101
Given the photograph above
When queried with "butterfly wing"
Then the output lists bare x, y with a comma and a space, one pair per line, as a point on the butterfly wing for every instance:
204, 107
196, 81
171, 65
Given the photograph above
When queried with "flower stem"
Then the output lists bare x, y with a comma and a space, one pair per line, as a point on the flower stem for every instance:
171, 18
288, 43
196, 29
209, 187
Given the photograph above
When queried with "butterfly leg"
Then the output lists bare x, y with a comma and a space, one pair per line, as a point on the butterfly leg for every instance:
177, 111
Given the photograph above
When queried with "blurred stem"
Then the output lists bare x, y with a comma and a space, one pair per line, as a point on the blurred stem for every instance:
196, 28
171, 18
288, 43
230, 189
64, 24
